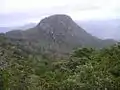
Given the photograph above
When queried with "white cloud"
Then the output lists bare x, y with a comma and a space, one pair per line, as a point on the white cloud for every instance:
25, 5
77, 9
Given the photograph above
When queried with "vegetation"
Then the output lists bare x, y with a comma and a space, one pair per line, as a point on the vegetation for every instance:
84, 69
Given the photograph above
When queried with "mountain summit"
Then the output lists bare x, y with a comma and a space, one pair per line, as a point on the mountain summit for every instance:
59, 32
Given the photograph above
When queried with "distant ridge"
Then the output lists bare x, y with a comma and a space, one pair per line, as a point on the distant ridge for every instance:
24, 27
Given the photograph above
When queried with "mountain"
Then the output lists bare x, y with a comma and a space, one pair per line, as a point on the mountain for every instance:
104, 29
4, 29
24, 27
59, 33
21, 68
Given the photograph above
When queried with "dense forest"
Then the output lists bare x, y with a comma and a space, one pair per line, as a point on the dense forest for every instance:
83, 69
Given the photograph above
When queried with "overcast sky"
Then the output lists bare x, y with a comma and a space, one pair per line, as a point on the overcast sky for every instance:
19, 12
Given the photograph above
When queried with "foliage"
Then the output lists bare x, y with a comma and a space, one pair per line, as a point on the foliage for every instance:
85, 69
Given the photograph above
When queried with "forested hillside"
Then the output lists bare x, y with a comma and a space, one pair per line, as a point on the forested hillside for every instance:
84, 69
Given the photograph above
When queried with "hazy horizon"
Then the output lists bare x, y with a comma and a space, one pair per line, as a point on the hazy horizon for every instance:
20, 12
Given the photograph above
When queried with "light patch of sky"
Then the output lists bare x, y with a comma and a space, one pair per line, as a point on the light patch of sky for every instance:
34, 10
9, 6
